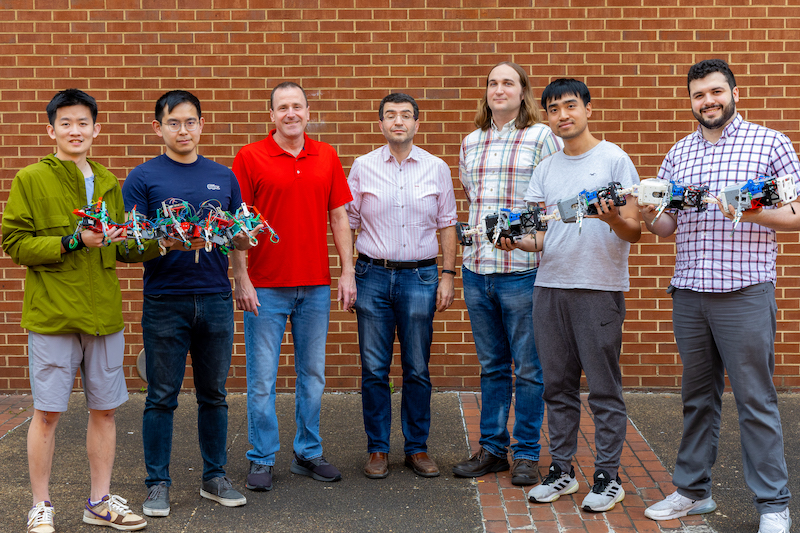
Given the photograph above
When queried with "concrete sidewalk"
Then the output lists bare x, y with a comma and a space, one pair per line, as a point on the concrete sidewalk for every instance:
401, 503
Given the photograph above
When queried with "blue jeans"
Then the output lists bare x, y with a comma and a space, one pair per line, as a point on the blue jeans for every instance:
172, 326
404, 300
308, 309
501, 315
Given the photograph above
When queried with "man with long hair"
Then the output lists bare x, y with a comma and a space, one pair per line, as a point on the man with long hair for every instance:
495, 166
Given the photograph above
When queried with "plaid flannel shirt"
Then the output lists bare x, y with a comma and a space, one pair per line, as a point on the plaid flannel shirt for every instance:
495, 167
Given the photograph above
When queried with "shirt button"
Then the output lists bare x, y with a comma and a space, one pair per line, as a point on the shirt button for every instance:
298, 172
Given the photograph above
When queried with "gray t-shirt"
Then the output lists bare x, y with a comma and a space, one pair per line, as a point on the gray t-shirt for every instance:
596, 259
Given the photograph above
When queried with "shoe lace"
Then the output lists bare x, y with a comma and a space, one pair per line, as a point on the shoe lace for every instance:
156, 491
43, 515
259, 469
225, 483
319, 461
521, 462
600, 484
552, 476
479, 454
118, 504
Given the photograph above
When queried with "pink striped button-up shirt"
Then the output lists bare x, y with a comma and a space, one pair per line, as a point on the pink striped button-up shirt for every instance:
400, 206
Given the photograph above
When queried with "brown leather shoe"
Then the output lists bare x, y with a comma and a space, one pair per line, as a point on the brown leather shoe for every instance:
525, 472
377, 466
480, 464
422, 465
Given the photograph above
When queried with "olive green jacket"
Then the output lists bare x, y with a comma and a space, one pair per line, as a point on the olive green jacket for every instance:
76, 292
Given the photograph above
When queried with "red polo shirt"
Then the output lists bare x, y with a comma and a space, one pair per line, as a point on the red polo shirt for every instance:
294, 194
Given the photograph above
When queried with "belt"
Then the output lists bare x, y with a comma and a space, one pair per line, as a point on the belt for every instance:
397, 264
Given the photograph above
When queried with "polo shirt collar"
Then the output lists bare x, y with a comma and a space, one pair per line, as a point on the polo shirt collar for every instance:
309, 146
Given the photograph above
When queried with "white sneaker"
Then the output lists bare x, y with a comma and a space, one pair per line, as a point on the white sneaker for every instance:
775, 522
554, 486
605, 494
675, 506
40, 518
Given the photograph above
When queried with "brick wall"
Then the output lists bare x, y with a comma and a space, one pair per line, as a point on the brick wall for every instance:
350, 53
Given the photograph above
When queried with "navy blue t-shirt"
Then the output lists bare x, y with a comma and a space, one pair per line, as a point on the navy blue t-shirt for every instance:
162, 178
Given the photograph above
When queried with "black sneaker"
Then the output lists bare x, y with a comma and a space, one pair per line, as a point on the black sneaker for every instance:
259, 478
317, 468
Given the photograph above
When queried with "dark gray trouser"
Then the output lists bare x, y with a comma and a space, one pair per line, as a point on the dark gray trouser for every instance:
733, 331
576, 330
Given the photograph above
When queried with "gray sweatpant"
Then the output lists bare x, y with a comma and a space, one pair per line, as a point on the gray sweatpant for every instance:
733, 331
578, 329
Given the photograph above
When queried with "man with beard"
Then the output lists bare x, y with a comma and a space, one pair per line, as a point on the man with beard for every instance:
723, 293
401, 196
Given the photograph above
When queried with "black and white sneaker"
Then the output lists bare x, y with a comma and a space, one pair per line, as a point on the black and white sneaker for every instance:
554, 485
605, 493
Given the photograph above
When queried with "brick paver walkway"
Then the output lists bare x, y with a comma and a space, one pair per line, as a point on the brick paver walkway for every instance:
645, 480
505, 507
15, 410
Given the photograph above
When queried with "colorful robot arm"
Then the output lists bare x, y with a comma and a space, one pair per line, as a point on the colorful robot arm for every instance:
508, 223
760, 192
584, 204
671, 195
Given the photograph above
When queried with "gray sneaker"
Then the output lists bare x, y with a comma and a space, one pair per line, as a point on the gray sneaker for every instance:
157, 502
221, 491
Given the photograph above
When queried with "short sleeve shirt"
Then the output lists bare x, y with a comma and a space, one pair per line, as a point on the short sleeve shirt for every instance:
295, 195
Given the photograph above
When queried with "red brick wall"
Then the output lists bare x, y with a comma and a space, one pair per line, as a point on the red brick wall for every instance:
350, 53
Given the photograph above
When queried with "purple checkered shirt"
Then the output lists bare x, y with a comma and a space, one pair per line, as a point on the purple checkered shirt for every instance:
708, 258
495, 167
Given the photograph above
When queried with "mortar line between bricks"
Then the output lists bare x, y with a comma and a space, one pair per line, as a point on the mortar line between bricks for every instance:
640, 485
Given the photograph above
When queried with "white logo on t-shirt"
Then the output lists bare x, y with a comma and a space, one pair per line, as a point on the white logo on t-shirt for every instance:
212, 187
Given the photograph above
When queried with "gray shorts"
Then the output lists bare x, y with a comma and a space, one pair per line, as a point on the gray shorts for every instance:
54, 360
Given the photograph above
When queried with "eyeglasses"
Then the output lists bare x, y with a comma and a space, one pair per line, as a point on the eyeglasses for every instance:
406, 117
190, 125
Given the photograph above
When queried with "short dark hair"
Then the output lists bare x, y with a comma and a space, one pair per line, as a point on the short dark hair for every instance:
398, 98
70, 97
173, 99
700, 70
558, 88
287, 85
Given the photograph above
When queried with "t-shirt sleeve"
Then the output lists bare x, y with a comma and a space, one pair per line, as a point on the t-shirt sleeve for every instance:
625, 172
240, 169
134, 192
535, 192
236, 193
